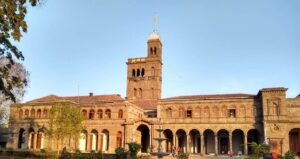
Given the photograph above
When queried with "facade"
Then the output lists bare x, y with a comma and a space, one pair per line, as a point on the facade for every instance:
200, 124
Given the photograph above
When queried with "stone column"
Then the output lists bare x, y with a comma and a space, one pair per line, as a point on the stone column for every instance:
202, 147
216, 145
245, 145
35, 140
174, 141
230, 142
188, 143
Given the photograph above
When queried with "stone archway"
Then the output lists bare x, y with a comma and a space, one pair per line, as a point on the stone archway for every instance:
195, 141
83, 141
209, 141
169, 142
21, 139
223, 141
181, 140
253, 136
294, 140
238, 141
143, 137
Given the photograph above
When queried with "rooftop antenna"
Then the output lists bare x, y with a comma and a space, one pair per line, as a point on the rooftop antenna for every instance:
155, 23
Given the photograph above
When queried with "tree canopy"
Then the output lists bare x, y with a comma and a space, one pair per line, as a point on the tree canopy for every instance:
12, 26
65, 123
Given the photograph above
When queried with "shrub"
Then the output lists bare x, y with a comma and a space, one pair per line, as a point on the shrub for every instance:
10, 151
289, 155
24, 153
134, 148
43, 151
119, 150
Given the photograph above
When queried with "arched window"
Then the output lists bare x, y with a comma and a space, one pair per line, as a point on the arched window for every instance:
92, 114
100, 113
133, 72
143, 72
26, 113
45, 113
107, 113
120, 114
140, 92
134, 92
21, 114
151, 51
275, 109
39, 113
152, 71
138, 73
119, 139
84, 113
32, 113
154, 51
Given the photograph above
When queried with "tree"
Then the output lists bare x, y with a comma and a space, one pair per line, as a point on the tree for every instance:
258, 150
65, 123
18, 90
12, 25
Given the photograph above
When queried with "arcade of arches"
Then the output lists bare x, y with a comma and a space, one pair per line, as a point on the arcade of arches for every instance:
210, 142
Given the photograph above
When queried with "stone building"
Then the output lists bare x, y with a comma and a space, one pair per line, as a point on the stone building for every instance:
200, 124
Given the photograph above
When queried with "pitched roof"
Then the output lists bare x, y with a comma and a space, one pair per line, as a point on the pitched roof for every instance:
145, 104
79, 99
211, 96
274, 89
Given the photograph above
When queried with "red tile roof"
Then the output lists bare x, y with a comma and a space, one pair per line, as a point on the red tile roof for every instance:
145, 104
79, 99
212, 96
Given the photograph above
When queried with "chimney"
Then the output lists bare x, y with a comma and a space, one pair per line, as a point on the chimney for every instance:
91, 94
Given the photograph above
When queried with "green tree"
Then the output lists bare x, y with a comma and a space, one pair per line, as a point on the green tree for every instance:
12, 25
65, 123
258, 150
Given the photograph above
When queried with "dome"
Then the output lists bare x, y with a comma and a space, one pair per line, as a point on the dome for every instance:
154, 35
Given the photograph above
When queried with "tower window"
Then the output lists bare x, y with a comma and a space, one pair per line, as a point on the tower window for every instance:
134, 92
151, 51
143, 72
140, 92
133, 72
154, 51
138, 73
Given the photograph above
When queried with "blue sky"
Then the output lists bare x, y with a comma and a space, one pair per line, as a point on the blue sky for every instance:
209, 47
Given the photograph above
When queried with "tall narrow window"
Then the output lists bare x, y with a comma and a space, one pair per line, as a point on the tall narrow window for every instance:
39, 113
135, 92
92, 114
26, 113
133, 72
120, 114
189, 113
151, 51
143, 72
140, 92
275, 109
119, 139
45, 113
32, 113
232, 113
138, 73
100, 113
154, 51
108, 113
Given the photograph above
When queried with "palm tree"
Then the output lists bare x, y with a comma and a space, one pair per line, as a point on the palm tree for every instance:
258, 150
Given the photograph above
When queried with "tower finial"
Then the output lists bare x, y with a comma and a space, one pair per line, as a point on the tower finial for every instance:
155, 23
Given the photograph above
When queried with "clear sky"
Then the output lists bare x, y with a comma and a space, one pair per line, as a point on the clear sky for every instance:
209, 47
